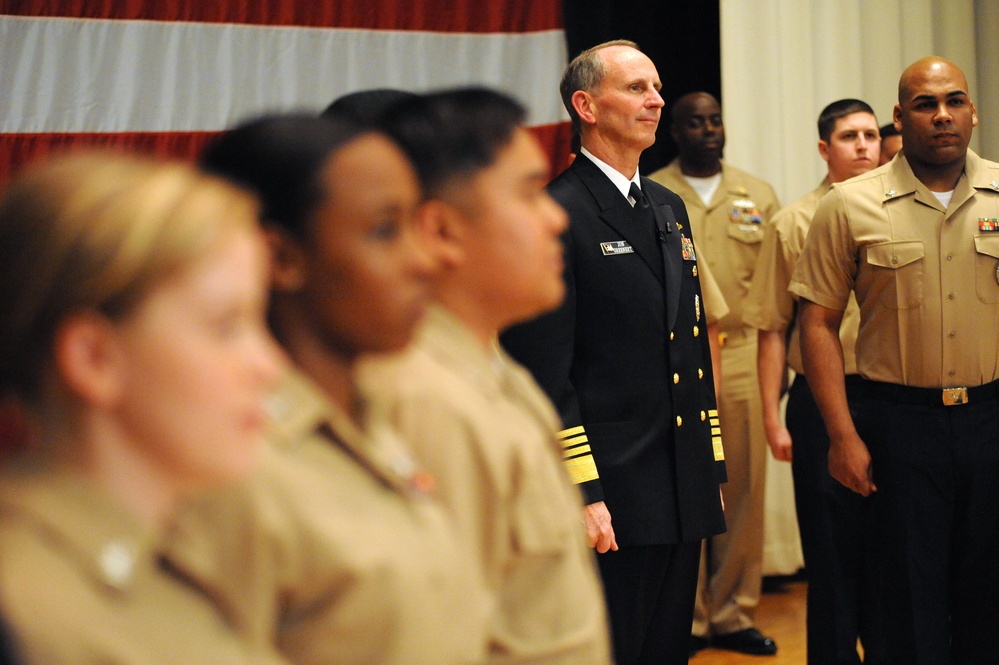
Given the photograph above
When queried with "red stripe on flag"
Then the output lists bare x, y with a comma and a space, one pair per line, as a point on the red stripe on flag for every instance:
22, 149
424, 15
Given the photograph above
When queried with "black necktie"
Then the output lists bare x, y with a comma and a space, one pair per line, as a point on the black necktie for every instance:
636, 193
642, 206
644, 215
659, 226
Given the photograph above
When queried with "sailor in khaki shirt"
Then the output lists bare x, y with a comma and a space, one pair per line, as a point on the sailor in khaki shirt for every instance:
335, 552
476, 419
728, 209
113, 273
917, 242
840, 607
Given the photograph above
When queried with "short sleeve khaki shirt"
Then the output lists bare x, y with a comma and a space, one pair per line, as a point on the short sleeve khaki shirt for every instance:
727, 231
769, 305
486, 431
925, 277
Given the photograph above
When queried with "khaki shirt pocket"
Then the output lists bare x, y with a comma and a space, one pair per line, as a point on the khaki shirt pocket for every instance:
543, 516
896, 270
746, 233
987, 268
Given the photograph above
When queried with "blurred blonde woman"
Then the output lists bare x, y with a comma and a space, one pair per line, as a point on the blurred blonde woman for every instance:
132, 299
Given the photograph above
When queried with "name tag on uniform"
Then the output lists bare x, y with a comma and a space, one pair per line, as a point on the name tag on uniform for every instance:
987, 225
687, 249
616, 247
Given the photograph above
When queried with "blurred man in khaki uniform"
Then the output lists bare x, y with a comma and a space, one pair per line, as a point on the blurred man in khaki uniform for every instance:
917, 240
477, 419
830, 517
891, 143
728, 209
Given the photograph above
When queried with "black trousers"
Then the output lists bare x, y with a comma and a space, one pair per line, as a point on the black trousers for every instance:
936, 515
842, 603
650, 598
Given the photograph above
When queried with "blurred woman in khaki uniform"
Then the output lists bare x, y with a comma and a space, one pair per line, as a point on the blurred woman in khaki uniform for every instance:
132, 331
337, 552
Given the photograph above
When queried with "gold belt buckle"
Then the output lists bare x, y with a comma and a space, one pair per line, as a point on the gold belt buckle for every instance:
955, 396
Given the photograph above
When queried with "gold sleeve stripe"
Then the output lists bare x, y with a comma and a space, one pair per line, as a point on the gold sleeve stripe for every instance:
577, 450
572, 431
582, 469
574, 441
713, 413
716, 431
719, 450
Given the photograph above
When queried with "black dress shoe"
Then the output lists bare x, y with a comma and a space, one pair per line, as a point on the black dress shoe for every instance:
697, 643
749, 641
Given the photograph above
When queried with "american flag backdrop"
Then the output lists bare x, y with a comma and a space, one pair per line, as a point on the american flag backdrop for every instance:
167, 75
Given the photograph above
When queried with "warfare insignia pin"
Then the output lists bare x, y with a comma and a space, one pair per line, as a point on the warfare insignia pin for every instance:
890, 193
994, 185
745, 212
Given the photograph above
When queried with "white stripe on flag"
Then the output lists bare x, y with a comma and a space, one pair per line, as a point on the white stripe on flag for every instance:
80, 75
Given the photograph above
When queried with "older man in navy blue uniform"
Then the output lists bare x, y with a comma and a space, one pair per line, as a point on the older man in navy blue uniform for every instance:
627, 363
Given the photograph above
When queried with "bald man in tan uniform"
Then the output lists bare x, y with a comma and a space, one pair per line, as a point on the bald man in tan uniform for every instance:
917, 241
728, 209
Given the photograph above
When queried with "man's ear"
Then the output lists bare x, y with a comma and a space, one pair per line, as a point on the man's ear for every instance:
89, 359
288, 262
896, 116
824, 150
443, 228
585, 108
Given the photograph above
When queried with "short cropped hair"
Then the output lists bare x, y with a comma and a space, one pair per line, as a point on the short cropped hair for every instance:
451, 135
889, 130
280, 158
98, 232
585, 72
366, 107
839, 109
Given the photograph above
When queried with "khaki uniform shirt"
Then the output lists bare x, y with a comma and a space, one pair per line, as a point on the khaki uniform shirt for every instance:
770, 306
485, 430
715, 306
81, 582
728, 231
335, 552
925, 277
